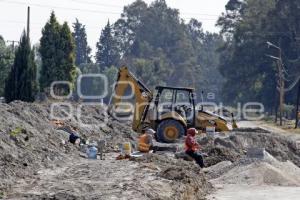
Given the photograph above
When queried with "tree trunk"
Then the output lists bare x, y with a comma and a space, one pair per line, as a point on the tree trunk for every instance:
276, 109
297, 106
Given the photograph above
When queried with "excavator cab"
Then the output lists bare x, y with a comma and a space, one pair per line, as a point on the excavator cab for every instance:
179, 100
174, 111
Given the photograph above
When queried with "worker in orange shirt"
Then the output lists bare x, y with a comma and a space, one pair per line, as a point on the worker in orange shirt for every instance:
192, 147
145, 143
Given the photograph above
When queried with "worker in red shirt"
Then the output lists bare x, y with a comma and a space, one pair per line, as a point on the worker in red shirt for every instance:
192, 147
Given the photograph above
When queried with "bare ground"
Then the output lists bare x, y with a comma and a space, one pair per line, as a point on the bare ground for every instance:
114, 179
248, 192
34, 164
267, 179
95, 179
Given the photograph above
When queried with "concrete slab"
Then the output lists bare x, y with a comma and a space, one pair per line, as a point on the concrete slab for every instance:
256, 152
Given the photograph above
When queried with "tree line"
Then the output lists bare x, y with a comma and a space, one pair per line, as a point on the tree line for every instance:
161, 48
248, 64
157, 45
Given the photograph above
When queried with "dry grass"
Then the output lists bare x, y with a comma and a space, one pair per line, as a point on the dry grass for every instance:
288, 125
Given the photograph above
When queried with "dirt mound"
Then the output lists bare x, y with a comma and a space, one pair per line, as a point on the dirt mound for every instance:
30, 141
187, 179
113, 179
32, 146
234, 146
36, 164
268, 171
220, 149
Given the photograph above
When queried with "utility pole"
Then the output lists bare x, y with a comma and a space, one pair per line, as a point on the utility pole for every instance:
281, 86
297, 106
12, 43
281, 78
28, 22
276, 107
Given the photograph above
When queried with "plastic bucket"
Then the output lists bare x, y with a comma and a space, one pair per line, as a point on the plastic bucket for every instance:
210, 131
92, 152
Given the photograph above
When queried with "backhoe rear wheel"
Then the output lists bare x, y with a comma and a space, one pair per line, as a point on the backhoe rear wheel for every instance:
169, 131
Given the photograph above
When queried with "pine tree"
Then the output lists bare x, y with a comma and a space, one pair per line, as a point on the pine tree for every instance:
6, 61
57, 51
82, 49
48, 45
107, 52
21, 83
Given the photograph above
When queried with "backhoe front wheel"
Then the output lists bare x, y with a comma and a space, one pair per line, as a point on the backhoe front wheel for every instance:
169, 131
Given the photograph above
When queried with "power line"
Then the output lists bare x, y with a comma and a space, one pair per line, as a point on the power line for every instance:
13, 43
37, 25
94, 3
93, 11
17, 22
60, 7
115, 6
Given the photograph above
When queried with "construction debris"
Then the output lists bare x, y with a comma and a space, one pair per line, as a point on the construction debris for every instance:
35, 154
32, 162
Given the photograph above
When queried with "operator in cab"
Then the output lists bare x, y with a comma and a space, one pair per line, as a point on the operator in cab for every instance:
192, 147
145, 143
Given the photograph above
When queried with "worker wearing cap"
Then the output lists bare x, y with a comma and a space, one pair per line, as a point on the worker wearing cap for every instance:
192, 147
145, 143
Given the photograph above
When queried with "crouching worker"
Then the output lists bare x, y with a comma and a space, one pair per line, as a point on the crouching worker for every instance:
145, 143
192, 147
74, 137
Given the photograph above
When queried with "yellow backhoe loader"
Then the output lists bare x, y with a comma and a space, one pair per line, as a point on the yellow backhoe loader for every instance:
170, 111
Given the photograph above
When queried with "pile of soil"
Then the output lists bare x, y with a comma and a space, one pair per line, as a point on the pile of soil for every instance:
267, 171
37, 162
154, 177
30, 141
234, 146
34, 154
188, 180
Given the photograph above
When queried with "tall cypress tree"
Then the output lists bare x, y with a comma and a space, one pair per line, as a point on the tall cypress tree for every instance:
57, 51
82, 50
67, 69
21, 83
48, 49
107, 52
6, 62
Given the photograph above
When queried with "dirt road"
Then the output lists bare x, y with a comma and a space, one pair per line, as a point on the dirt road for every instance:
268, 127
246, 192
95, 179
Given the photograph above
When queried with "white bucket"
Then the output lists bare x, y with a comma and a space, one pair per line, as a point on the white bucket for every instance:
210, 131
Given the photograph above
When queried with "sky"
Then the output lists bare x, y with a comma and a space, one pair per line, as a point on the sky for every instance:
93, 14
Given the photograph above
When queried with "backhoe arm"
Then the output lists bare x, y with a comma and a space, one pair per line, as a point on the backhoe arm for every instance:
142, 96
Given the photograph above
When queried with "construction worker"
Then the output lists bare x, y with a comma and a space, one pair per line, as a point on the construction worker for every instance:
192, 147
74, 138
145, 143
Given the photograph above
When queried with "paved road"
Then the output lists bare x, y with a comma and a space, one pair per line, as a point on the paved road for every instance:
246, 192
